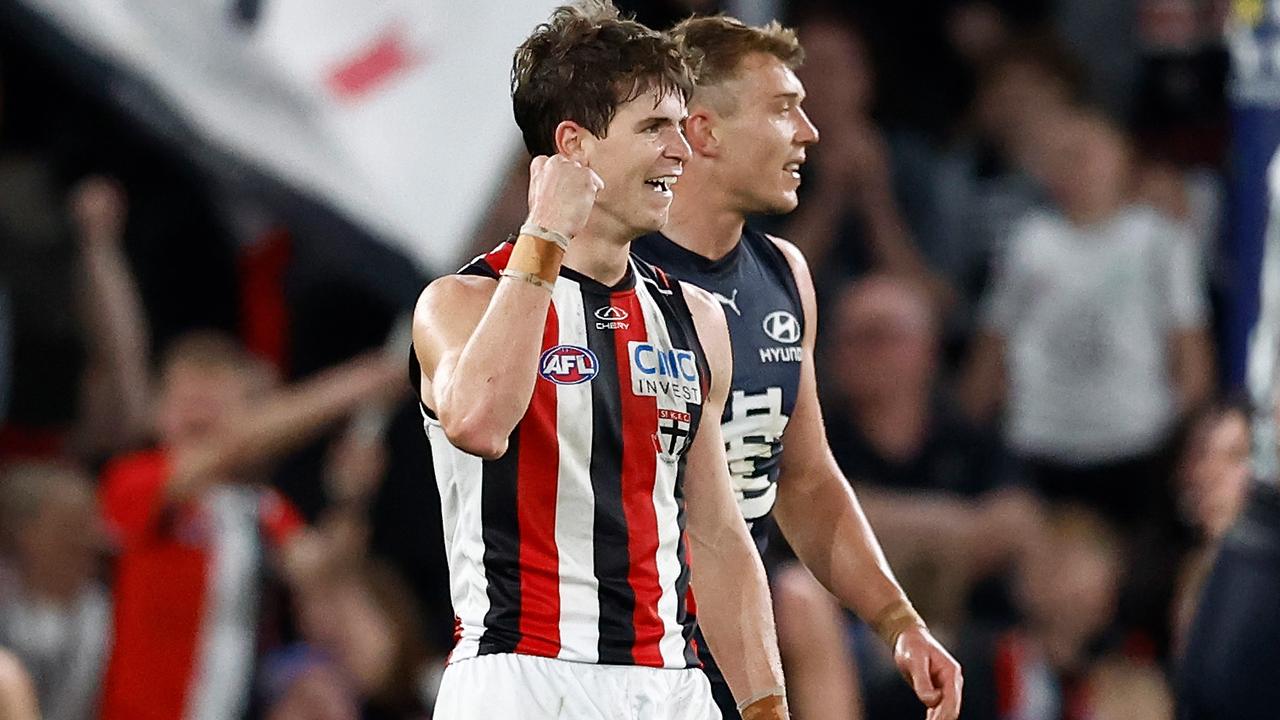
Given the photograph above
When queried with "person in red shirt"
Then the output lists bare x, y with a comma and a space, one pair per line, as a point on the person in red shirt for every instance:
191, 521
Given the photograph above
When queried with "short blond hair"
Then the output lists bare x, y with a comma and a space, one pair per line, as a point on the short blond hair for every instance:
209, 349
715, 46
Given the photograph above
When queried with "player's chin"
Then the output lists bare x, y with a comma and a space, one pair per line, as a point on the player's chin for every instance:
655, 222
654, 217
779, 203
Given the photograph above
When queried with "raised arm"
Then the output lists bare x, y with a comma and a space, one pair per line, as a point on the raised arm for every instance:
284, 421
116, 402
822, 520
478, 340
734, 607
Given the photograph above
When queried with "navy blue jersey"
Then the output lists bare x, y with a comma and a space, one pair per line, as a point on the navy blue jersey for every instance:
755, 285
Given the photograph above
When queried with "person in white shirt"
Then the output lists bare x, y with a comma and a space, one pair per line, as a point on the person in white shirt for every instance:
1095, 332
54, 614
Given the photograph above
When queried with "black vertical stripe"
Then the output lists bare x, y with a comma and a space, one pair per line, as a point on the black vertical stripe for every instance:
688, 623
611, 552
501, 533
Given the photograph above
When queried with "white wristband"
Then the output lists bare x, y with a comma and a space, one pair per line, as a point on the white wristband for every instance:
551, 236
529, 278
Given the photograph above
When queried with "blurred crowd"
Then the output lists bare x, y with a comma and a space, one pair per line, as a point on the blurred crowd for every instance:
214, 492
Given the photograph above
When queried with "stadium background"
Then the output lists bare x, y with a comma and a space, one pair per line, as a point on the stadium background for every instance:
292, 174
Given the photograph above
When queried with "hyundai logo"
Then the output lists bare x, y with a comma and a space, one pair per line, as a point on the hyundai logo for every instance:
782, 326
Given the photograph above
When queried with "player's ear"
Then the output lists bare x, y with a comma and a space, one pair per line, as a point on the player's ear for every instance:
574, 141
701, 132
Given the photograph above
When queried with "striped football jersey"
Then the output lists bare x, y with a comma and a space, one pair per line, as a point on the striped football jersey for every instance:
571, 545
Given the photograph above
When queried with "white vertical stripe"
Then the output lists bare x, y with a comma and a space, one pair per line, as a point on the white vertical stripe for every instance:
459, 477
575, 499
664, 500
224, 663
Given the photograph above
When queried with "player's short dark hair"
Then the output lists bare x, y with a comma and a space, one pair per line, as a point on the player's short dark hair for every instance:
582, 64
716, 45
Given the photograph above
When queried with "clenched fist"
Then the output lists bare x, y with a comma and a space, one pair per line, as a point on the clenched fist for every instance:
561, 193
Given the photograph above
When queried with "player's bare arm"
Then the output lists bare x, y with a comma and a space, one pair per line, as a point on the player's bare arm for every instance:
734, 606
478, 340
822, 520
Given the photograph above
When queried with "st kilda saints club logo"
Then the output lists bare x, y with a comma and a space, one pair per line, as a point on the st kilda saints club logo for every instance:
568, 364
672, 437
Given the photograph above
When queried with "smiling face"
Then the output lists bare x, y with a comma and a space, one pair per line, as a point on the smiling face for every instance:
759, 133
639, 158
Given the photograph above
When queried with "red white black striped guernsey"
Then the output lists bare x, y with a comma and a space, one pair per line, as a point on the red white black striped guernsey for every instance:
572, 545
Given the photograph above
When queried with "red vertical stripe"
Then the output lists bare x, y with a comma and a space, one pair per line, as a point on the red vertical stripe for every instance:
539, 467
264, 314
639, 471
1008, 674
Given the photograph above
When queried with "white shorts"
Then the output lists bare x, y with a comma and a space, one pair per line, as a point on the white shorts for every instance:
525, 687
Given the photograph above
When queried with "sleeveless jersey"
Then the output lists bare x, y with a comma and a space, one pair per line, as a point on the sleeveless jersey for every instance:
755, 285
571, 545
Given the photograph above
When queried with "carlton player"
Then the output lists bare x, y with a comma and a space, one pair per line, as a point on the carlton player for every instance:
564, 385
748, 136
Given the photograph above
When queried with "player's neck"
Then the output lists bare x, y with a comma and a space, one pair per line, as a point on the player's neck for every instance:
600, 253
702, 220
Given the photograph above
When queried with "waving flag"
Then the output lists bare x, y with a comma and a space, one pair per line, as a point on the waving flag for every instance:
394, 113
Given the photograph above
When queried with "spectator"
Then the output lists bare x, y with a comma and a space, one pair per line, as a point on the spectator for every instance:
357, 613
1213, 483
1229, 657
974, 190
849, 222
37, 272
1094, 331
1214, 473
940, 492
301, 684
1064, 659
98, 407
114, 413
188, 516
54, 615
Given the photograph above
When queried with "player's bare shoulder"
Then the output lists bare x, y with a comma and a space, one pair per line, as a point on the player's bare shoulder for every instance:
447, 291
796, 259
449, 308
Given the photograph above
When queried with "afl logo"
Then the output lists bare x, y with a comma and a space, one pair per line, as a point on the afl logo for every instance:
782, 326
611, 313
568, 365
